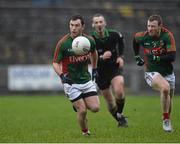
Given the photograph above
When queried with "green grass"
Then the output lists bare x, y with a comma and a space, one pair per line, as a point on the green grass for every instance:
46, 119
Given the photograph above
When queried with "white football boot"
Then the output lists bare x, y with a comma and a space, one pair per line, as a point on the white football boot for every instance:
167, 125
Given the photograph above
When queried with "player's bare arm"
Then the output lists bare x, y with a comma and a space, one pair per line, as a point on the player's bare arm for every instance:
94, 58
57, 68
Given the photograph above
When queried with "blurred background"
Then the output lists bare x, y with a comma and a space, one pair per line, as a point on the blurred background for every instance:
30, 29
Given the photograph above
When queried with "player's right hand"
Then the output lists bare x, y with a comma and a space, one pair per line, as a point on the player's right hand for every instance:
66, 79
107, 55
139, 60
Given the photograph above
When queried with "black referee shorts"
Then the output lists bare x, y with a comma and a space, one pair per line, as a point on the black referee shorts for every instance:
104, 79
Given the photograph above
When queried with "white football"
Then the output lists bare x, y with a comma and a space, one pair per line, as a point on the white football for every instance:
81, 45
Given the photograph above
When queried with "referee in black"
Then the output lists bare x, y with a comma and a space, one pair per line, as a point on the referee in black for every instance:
110, 45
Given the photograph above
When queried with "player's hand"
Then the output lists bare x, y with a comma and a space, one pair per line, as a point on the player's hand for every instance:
139, 60
66, 79
120, 62
94, 74
107, 55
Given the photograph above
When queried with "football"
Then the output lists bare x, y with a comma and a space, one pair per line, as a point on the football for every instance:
81, 45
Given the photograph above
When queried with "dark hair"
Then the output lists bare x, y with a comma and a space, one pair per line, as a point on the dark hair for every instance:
76, 17
98, 15
156, 18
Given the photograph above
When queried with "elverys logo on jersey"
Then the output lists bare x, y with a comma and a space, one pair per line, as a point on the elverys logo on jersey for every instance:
156, 51
77, 59
159, 49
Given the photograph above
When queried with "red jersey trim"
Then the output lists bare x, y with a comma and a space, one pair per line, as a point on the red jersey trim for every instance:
173, 45
58, 46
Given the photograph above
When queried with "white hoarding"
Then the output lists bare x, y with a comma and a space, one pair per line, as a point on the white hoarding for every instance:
33, 77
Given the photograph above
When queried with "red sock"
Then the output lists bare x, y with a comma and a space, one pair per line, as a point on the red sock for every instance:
85, 130
166, 116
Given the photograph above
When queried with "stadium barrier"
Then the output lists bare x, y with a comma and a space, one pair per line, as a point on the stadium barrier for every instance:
33, 78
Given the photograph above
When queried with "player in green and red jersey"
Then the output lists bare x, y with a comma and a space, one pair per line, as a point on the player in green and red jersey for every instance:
73, 71
159, 49
110, 46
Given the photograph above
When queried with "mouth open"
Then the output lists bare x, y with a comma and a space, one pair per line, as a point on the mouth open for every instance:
100, 29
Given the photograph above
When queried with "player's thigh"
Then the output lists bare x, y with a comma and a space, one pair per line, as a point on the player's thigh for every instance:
90, 96
107, 94
80, 105
92, 103
117, 83
156, 80
159, 82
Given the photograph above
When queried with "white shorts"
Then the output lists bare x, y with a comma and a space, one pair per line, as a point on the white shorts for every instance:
77, 91
170, 78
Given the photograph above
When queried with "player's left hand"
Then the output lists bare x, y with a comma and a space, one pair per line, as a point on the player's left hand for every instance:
66, 79
120, 62
139, 60
94, 74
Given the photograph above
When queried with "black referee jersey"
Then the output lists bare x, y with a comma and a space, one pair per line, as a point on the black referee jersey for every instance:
112, 41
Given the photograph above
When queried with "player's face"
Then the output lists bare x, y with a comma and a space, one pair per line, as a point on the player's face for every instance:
76, 28
153, 28
99, 24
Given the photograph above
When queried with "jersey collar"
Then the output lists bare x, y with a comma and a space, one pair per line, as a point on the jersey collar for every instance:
106, 33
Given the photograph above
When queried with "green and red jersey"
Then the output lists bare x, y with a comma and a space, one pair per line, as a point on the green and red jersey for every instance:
75, 66
158, 46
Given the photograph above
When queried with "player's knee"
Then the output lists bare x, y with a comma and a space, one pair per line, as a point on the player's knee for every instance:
119, 91
120, 94
166, 89
95, 108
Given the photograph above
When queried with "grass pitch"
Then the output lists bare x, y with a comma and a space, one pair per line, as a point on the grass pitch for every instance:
46, 119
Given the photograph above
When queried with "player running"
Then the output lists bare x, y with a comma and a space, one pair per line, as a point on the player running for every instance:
159, 49
110, 46
73, 71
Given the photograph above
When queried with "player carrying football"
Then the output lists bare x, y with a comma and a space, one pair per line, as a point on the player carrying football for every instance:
73, 71
159, 49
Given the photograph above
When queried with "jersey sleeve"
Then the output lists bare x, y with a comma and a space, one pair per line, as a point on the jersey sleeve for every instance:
137, 40
93, 44
170, 42
136, 45
58, 52
170, 47
120, 44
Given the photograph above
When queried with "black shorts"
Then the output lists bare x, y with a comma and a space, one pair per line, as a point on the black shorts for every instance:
85, 95
104, 79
